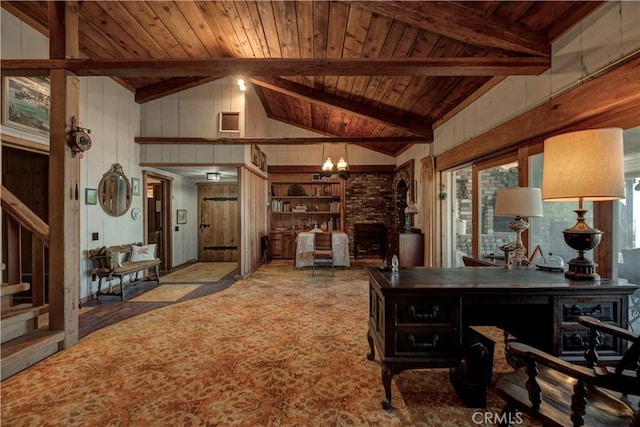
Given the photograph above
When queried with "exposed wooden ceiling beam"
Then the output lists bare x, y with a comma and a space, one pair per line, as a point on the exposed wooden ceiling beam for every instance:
576, 13
405, 122
468, 100
618, 89
379, 140
465, 24
169, 86
470, 66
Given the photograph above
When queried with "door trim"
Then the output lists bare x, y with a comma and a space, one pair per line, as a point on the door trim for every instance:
167, 190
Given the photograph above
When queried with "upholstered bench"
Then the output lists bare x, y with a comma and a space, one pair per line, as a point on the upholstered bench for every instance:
120, 261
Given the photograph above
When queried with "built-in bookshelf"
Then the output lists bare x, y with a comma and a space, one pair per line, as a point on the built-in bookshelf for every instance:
301, 202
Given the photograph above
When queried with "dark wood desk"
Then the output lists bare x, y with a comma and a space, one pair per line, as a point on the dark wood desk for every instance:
417, 316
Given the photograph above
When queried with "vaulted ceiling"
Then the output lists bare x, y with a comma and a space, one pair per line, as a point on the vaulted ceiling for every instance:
348, 69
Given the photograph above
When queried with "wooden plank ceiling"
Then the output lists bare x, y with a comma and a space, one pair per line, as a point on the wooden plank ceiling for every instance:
459, 49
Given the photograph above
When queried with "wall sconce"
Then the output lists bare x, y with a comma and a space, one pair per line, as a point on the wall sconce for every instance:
213, 176
583, 166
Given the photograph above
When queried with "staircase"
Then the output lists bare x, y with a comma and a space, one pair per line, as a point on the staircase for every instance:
26, 338
25, 334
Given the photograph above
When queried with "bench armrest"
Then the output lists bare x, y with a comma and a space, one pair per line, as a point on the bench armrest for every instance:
593, 323
523, 352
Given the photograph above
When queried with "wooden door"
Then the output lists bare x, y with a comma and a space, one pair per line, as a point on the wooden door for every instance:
218, 222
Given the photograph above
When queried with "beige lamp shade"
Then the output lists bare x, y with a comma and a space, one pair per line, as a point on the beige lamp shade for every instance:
411, 208
585, 164
518, 201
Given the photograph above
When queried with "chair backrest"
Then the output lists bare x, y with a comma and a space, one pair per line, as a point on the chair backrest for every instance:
322, 241
474, 262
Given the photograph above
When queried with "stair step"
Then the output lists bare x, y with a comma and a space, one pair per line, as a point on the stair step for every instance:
22, 352
13, 288
21, 320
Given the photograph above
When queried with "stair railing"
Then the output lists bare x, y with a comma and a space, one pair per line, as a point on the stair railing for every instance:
19, 219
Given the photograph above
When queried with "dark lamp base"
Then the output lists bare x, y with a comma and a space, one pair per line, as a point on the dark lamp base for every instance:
582, 238
582, 269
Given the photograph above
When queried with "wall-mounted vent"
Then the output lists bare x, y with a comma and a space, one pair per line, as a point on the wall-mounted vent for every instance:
229, 122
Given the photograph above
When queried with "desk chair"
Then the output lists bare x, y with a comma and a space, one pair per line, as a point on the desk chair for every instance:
322, 251
559, 393
475, 262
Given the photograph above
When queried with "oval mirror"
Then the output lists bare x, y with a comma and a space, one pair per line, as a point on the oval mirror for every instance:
114, 191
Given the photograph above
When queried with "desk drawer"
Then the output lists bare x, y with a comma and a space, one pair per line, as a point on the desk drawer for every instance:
426, 342
605, 311
425, 313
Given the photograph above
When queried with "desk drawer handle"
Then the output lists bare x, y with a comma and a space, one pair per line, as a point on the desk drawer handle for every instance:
583, 340
598, 310
432, 344
577, 339
431, 315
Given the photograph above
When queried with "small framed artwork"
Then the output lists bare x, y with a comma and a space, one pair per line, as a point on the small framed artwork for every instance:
25, 103
90, 196
255, 155
181, 216
263, 161
135, 186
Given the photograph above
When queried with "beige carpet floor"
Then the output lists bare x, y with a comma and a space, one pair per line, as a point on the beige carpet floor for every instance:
201, 272
281, 348
165, 293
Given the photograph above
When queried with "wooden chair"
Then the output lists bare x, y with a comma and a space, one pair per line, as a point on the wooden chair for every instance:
265, 247
322, 251
559, 393
475, 262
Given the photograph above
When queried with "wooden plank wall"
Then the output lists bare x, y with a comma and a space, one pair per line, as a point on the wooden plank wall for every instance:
253, 217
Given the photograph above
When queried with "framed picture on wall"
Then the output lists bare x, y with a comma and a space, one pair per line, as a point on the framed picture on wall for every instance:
255, 155
263, 161
90, 196
181, 216
135, 186
25, 103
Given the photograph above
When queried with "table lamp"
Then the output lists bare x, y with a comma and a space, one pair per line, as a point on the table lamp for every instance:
409, 211
519, 202
583, 166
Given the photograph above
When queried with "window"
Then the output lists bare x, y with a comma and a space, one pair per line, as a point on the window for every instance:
627, 213
477, 186
494, 230
473, 191
462, 213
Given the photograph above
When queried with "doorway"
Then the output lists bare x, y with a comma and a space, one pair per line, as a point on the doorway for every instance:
157, 216
218, 223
